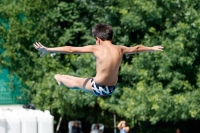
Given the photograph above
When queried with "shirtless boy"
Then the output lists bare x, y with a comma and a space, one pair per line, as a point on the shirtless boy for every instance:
108, 59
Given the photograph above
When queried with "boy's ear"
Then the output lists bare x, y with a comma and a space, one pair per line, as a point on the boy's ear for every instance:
98, 40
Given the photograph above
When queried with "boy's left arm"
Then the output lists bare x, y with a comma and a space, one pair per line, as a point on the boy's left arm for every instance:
140, 49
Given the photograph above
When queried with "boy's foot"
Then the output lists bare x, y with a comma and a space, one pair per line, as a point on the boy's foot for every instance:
57, 79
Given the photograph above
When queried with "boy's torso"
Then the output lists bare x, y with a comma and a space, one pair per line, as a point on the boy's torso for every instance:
108, 59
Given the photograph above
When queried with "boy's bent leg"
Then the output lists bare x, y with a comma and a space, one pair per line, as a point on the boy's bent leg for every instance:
75, 82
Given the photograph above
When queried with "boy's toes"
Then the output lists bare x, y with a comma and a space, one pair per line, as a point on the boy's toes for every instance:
57, 78
59, 83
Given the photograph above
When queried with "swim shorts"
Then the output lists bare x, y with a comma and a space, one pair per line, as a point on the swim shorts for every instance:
101, 90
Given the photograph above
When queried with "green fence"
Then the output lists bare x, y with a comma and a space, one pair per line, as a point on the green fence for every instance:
9, 95
9, 87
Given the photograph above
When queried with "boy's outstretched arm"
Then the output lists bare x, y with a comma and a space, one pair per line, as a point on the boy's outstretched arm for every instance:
64, 49
140, 49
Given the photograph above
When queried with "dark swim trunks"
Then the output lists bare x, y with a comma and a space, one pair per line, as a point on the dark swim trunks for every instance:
101, 90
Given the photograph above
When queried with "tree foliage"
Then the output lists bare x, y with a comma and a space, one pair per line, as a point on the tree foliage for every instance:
153, 87
160, 86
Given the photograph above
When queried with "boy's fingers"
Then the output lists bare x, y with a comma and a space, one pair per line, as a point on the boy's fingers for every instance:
35, 46
40, 44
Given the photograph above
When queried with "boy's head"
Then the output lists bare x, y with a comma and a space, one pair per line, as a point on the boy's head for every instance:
103, 31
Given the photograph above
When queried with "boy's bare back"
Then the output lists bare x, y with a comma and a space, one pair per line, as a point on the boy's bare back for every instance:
108, 59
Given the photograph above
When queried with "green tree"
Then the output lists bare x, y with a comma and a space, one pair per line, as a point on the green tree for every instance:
153, 87
159, 86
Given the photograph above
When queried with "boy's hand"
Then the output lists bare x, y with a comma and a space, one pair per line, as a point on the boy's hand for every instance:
157, 48
41, 48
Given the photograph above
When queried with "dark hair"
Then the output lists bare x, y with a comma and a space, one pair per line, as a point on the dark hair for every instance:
97, 126
103, 31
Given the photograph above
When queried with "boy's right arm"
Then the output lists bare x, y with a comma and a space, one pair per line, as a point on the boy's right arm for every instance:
120, 125
64, 49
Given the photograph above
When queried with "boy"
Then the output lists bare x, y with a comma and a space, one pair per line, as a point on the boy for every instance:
108, 59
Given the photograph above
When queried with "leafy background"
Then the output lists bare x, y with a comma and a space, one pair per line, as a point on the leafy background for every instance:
153, 88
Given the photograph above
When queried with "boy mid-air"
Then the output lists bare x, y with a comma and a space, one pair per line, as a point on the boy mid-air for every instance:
108, 59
